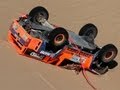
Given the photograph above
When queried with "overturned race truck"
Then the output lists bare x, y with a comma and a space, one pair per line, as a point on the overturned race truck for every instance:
33, 36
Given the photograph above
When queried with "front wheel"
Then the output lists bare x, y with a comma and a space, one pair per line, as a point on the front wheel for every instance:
107, 53
89, 30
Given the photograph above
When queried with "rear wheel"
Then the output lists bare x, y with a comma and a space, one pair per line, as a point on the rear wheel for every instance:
39, 14
89, 30
58, 38
107, 53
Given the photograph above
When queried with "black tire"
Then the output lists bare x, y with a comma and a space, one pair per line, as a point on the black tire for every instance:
89, 30
58, 37
107, 53
37, 13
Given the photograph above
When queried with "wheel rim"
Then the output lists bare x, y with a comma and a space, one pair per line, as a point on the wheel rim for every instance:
91, 33
59, 39
40, 17
109, 55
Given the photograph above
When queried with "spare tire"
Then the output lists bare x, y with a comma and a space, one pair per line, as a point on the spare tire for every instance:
89, 30
58, 37
38, 13
107, 53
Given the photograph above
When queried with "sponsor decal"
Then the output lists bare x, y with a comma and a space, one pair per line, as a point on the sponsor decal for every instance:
15, 27
36, 55
45, 53
83, 59
73, 50
16, 35
75, 59
24, 37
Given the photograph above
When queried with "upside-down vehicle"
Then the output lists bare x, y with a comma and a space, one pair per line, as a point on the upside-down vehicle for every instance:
33, 36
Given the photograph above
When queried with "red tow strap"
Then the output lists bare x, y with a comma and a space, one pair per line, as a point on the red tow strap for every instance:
86, 77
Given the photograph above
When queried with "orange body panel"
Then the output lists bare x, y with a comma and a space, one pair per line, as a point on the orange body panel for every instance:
33, 43
29, 42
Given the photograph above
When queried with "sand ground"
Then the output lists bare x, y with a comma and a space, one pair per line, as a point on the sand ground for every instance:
21, 73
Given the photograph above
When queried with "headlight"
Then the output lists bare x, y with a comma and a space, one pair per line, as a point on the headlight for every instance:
14, 27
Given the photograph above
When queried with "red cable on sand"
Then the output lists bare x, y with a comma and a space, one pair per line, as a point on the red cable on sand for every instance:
85, 75
88, 81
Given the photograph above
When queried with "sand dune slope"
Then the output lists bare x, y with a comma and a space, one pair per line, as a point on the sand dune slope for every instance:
21, 73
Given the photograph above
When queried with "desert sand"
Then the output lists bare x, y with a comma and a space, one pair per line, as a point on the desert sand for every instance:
21, 73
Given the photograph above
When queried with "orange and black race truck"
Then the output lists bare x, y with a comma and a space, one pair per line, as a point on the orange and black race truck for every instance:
33, 36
